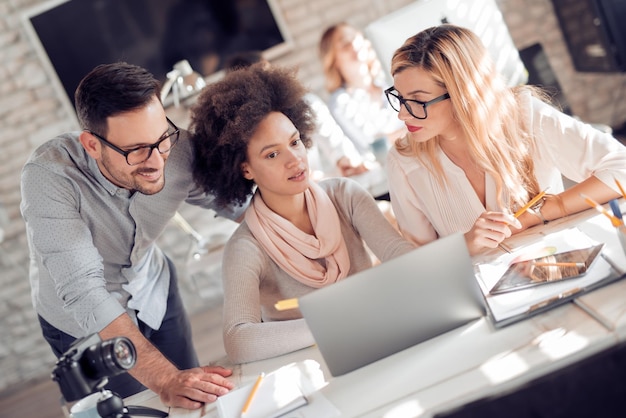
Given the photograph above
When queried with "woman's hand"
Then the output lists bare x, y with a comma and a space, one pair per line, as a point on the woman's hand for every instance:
489, 230
347, 169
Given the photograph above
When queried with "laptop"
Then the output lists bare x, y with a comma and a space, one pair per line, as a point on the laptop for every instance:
394, 305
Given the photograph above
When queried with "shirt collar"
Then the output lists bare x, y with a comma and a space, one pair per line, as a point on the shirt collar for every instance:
104, 182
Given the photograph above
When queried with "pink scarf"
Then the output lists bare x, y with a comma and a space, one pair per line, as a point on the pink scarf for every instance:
297, 252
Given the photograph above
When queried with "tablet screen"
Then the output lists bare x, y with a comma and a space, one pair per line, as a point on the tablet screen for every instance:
547, 269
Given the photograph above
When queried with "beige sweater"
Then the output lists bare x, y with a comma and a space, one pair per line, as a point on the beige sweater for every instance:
253, 283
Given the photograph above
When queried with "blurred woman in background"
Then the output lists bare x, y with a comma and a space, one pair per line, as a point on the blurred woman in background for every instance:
355, 82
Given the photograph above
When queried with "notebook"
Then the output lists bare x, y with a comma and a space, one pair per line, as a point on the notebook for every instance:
394, 305
506, 308
278, 393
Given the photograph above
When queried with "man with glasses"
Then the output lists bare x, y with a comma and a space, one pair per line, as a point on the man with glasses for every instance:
94, 203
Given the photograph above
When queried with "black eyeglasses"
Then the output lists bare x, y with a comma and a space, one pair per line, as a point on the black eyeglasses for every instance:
396, 101
139, 155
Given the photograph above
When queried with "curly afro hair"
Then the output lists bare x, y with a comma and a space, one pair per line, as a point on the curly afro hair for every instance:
226, 116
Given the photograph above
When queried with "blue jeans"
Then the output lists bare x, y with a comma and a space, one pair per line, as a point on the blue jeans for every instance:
173, 339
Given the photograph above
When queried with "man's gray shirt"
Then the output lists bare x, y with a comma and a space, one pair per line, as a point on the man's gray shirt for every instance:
92, 244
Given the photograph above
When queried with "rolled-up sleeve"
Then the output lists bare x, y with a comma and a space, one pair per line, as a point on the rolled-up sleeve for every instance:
578, 150
63, 246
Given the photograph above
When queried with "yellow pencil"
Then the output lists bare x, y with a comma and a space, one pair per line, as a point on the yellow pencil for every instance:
529, 204
614, 219
621, 189
286, 304
252, 393
558, 264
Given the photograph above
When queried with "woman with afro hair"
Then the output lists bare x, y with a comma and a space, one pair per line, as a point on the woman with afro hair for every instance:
251, 131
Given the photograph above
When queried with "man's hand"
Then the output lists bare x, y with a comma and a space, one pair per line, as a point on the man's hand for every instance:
190, 389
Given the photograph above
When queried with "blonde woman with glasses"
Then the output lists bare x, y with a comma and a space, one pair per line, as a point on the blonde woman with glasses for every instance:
477, 150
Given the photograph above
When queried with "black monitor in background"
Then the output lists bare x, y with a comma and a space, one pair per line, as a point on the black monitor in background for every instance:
594, 32
613, 16
540, 74
77, 35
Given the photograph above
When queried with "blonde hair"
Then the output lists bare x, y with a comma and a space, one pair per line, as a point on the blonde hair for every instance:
328, 55
486, 109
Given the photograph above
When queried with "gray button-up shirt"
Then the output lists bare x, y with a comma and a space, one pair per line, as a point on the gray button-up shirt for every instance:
92, 244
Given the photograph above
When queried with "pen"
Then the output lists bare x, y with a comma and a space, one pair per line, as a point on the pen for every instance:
616, 210
614, 220
252, 393
562, 264
529, 204
286, 304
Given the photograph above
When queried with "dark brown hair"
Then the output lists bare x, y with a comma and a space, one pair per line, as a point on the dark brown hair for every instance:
111, 89
226, 116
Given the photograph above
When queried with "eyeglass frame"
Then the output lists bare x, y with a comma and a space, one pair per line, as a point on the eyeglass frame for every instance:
404, 101
152, 147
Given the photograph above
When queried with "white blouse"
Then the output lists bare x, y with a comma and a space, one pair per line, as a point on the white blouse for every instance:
426, 210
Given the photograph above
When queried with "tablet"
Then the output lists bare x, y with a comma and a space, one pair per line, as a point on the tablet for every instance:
548, 269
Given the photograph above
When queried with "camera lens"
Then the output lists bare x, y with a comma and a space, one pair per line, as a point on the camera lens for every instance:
109, 358
124, 354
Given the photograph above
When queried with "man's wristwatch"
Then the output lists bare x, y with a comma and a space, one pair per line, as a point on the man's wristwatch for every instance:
536, 209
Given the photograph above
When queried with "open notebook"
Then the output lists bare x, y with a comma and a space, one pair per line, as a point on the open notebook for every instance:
292, 391
278, 393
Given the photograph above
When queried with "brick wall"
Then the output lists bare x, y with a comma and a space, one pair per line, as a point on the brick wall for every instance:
594, 97
31, 112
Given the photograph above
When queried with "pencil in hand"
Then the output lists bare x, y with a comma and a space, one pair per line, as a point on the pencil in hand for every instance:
529, 204
621, 189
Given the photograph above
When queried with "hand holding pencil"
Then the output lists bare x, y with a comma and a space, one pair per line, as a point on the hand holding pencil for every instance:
530, 203
491, 228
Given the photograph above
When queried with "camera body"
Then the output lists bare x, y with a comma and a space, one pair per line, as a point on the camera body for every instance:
86, 365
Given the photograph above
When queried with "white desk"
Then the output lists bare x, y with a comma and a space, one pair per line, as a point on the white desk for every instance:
470, 362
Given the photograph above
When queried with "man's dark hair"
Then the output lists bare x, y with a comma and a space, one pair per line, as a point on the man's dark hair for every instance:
111, 89
226, 116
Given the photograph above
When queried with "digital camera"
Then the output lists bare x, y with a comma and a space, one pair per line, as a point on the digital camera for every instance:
86, 365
